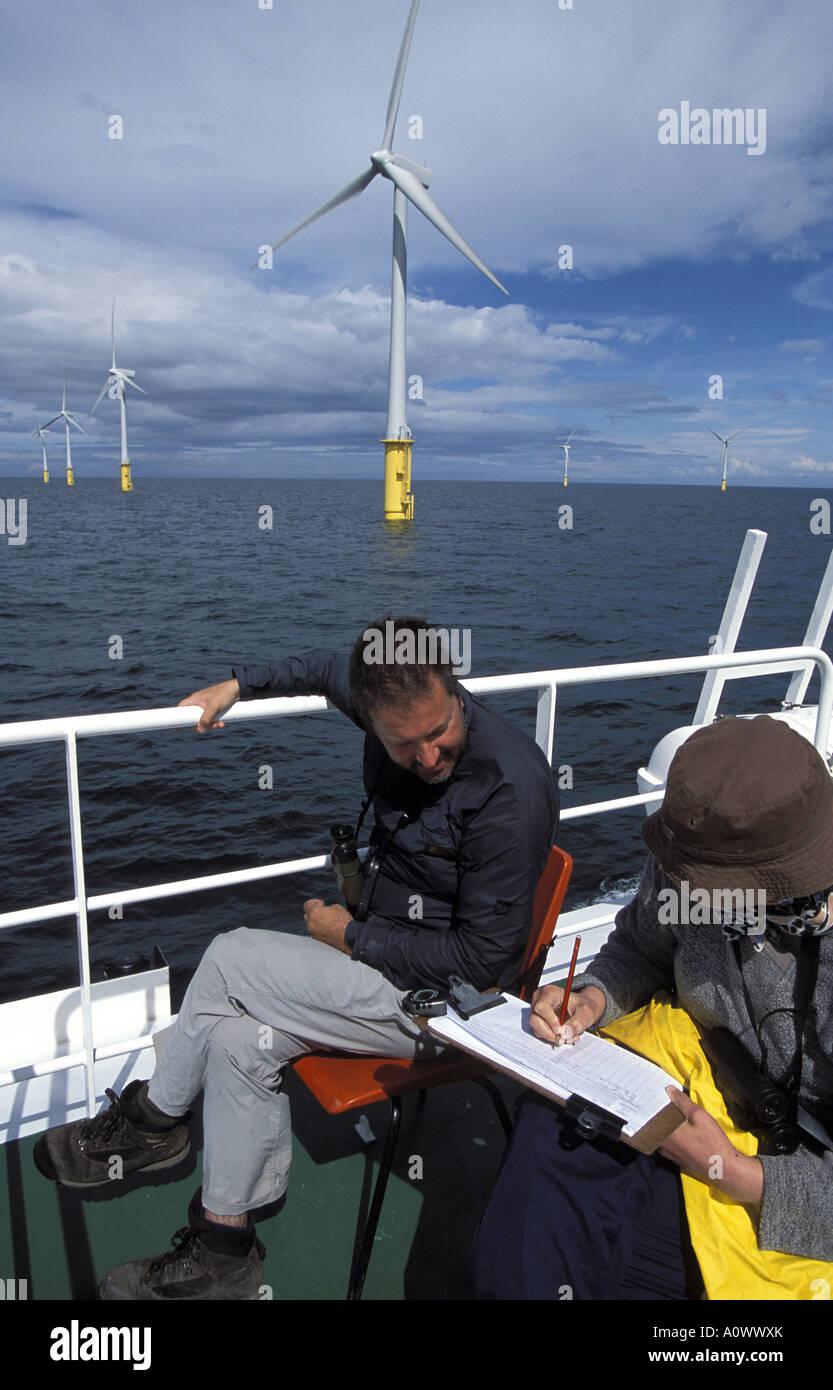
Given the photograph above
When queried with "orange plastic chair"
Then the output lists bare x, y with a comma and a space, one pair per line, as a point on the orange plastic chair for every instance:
345, 1081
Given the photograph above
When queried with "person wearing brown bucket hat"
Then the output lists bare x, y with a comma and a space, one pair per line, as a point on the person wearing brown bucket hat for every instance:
748, 807
733, 923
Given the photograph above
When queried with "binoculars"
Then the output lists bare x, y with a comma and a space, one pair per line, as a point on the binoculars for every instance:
349, 869
765, 1110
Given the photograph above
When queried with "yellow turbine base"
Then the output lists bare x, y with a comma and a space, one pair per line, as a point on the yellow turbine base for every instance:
45, 477
399, 500
565, 482
70, 479
723, 485
126, 482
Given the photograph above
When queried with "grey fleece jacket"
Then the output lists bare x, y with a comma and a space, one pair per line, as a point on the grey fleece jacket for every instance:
697, 963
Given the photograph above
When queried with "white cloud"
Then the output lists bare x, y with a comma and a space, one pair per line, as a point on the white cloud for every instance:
220, 355
816, 290
541, 128
808, 465
812, 347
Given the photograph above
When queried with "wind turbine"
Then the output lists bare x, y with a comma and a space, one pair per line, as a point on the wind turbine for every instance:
725, 454
68, 420
42, 432
114, 385
410, 182
566, 447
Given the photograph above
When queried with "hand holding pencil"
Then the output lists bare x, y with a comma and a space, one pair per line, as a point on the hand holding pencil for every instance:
561, 1015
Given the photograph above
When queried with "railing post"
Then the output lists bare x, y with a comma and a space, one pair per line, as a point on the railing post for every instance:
814, 636
825, 705
733, 614
74, 798
545, 719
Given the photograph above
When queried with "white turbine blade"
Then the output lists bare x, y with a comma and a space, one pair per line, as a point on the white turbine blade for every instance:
133, 384
572, 432
350, 190
64, 402
737, 432
399, 78
112, 335
70, 421
716, 435
104, 388
51, 422
414, 191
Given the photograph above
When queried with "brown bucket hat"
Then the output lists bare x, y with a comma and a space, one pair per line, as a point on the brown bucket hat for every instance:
748, 805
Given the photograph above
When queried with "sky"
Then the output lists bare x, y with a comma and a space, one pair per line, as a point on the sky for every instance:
661, 284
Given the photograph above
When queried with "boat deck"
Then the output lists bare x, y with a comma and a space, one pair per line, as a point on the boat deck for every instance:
423, 1246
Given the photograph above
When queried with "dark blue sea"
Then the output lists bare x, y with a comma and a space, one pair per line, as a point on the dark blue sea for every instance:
182, 572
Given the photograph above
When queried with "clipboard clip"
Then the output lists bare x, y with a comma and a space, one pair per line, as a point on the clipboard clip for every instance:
592, 1121
467, 1000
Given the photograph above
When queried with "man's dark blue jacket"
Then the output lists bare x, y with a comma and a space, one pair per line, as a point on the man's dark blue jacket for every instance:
470, 856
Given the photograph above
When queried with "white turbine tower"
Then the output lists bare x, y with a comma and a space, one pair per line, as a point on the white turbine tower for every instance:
410, 182
725, 455
68, 420
566, 447
114, 385
42, 432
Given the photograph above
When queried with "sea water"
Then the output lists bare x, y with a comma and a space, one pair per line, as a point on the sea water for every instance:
121, 601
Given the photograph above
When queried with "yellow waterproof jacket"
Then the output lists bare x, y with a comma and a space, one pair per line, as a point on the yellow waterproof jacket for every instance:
723, 1232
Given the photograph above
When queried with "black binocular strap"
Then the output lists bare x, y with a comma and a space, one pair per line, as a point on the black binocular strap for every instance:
806, 975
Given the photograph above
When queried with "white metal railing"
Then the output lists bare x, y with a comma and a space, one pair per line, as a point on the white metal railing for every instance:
733, 665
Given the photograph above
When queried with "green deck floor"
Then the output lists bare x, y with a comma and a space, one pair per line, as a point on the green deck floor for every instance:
63, 1241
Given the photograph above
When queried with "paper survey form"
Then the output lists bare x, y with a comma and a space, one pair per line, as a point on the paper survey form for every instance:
592, 1068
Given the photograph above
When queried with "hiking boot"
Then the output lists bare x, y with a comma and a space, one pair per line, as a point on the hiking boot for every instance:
208, 1263
83, 1152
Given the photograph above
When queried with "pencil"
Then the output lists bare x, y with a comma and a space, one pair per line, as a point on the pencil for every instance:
569, 981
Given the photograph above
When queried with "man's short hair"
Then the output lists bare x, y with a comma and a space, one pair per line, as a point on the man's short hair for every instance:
395, 662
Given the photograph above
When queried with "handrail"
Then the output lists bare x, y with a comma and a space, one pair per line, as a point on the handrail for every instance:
738, 665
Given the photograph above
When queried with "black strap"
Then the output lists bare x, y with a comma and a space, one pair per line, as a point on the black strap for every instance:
365, 805
375, 861
806, 975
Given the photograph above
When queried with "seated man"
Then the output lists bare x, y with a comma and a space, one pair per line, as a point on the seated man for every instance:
466, 812
748, 807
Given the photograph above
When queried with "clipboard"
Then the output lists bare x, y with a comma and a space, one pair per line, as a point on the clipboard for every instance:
593, 1119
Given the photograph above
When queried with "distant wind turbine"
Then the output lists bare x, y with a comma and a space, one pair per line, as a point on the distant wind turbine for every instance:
115, 384
42, 432
68, 420
725, 455
410, 182
566, 447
